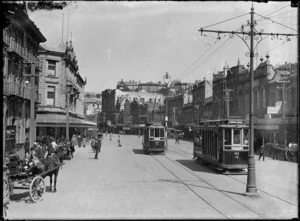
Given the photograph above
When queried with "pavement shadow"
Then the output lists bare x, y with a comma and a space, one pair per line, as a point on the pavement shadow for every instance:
194, 166
138, 151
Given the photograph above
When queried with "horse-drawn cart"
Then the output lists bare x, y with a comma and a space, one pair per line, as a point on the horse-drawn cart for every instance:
29, 175
289, 153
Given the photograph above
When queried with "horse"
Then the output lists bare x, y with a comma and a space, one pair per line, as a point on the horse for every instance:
273, 150
48, 166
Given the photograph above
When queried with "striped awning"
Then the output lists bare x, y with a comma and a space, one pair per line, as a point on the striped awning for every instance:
56, 120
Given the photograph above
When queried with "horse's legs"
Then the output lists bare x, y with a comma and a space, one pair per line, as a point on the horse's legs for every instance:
55, 179
50, 176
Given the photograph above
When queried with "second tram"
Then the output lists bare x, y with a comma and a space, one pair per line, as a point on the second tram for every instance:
223, 144
154, 139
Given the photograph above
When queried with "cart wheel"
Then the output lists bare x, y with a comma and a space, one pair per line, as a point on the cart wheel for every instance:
290, 156
37, 189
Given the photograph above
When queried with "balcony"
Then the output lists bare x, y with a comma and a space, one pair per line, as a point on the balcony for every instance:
12, 88
15, 49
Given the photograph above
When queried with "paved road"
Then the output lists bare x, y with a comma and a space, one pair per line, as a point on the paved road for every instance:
126, 183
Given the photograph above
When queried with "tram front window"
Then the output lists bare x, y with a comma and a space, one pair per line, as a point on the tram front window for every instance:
157, 132
237, 136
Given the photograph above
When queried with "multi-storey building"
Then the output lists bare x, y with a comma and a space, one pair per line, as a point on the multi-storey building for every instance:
127, 85
92, 104
21, 39
62, 94
151, 86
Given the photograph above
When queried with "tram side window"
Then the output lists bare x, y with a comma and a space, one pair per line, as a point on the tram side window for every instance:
151, 132
237, 136
227, 140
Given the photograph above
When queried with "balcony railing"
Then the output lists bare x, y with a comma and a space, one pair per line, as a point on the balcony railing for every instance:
12, 88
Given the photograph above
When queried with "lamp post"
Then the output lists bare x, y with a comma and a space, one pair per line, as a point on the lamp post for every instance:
167, 79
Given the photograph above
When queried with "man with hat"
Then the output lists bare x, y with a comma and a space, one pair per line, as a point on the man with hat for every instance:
98, 145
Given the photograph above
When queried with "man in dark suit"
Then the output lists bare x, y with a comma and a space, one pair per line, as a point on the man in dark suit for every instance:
98, 145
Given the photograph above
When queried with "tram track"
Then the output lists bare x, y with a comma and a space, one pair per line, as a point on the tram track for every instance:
232, 177
202, 180
184, 154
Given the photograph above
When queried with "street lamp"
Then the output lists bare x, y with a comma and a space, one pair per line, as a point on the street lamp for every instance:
167, 79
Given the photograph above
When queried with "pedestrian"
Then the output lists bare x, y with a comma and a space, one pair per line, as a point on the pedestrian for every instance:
110, 136
93, 144
275, 151
79, 140
73, 143
176, 138
262, 152
84, 141
98, 145
119, 141
26, 147
54, 144
106, 133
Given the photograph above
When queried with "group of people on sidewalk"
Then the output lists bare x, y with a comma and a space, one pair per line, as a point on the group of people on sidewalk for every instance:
44, 148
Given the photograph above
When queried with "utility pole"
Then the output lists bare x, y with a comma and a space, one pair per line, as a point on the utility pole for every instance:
67, 114
253, 34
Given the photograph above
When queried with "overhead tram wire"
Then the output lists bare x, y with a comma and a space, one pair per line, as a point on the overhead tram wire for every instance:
177, 78
223, 45
196, 67
226, 20
283, 13
214, 43
279, 46
280, 8
276, 22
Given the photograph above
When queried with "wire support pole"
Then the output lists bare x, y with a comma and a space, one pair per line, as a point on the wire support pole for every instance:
251, 178
253, 34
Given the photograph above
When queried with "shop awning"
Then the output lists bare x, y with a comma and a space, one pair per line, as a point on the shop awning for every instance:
55, 120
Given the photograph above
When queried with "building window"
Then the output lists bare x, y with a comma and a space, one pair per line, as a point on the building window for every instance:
50, 95
264, 98
51, 68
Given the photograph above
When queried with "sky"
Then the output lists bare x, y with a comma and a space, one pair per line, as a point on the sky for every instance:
141, 41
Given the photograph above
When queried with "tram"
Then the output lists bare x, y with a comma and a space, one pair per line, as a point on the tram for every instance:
154, 139
222, 144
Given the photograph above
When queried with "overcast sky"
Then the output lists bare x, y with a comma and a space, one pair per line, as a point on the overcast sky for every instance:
142, 41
